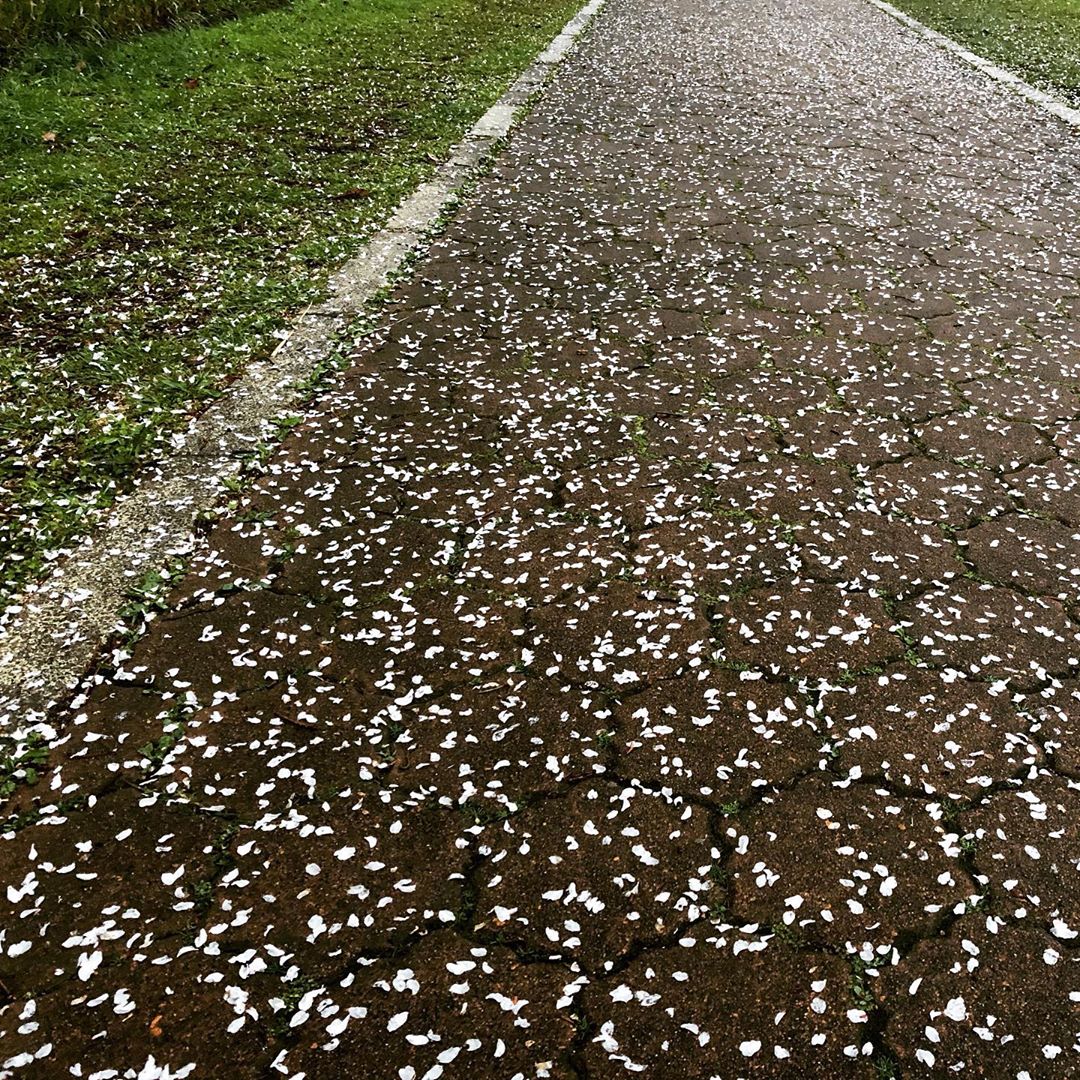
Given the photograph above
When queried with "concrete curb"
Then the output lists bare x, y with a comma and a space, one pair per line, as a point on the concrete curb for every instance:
999, 74
52, 632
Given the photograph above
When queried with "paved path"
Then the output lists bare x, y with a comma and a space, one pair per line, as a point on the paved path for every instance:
658, 654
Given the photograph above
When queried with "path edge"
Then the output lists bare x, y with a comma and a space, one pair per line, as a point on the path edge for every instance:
1047, 102
51, 631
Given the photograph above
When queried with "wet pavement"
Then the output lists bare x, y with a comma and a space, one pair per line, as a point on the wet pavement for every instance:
658, 654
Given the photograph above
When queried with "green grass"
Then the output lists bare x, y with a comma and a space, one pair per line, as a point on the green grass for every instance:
23, 21
170, 201
1038, 39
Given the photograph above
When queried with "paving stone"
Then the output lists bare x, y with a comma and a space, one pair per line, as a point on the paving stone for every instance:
158, 1013
937, 492
993, 633
111, 734
1052, 489
1026, 851
77, 903
964, 1003
710, 437
705, 1006
1023, 398
541, 558
888, 555
489, 748
536, 884
947, 737
314, 889
620, 636
784, 489
1033, 554
712, 555
440, 634
631, 493
841, 863
773, 393
227, 644
809, 630
447, 1006
1053, 714
720, 736
274, 748
899, 395
851, 439
984, 440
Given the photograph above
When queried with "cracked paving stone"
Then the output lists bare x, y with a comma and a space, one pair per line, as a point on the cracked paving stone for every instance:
840, 863
446, 1006
1026, 850
541, 559
984, 440
810, 630
721, 736
619, 636
592, 874
631, 493
889, 555
77, 904
159, 1008
454, 496
227, 644
273, 748
847, 438
932, 492
707, 437
724, 1003
1053, 716
899, 396
349, 562
946, 737
435, 633
992, 633
109, 733
774, 393
315, 888
1032, 554
488, 748
1052, 489
712, 555
570, 436
1025, 398
784, 488
1067, 440
964, 1004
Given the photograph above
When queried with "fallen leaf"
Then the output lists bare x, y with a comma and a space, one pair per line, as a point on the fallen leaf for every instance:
48, 136
352, 193
191, 84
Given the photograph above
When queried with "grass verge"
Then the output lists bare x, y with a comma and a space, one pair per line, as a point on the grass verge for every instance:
1038, 39
172, 200
24, 21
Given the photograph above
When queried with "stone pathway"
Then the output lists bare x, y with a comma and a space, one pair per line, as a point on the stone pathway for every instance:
658, 654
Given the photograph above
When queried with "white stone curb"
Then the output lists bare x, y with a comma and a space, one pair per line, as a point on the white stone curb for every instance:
1038, 97
51, 633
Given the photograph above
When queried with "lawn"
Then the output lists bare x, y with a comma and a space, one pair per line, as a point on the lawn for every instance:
171, 200
1038, 39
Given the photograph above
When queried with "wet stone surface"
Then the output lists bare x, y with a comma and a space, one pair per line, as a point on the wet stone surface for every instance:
656, 654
